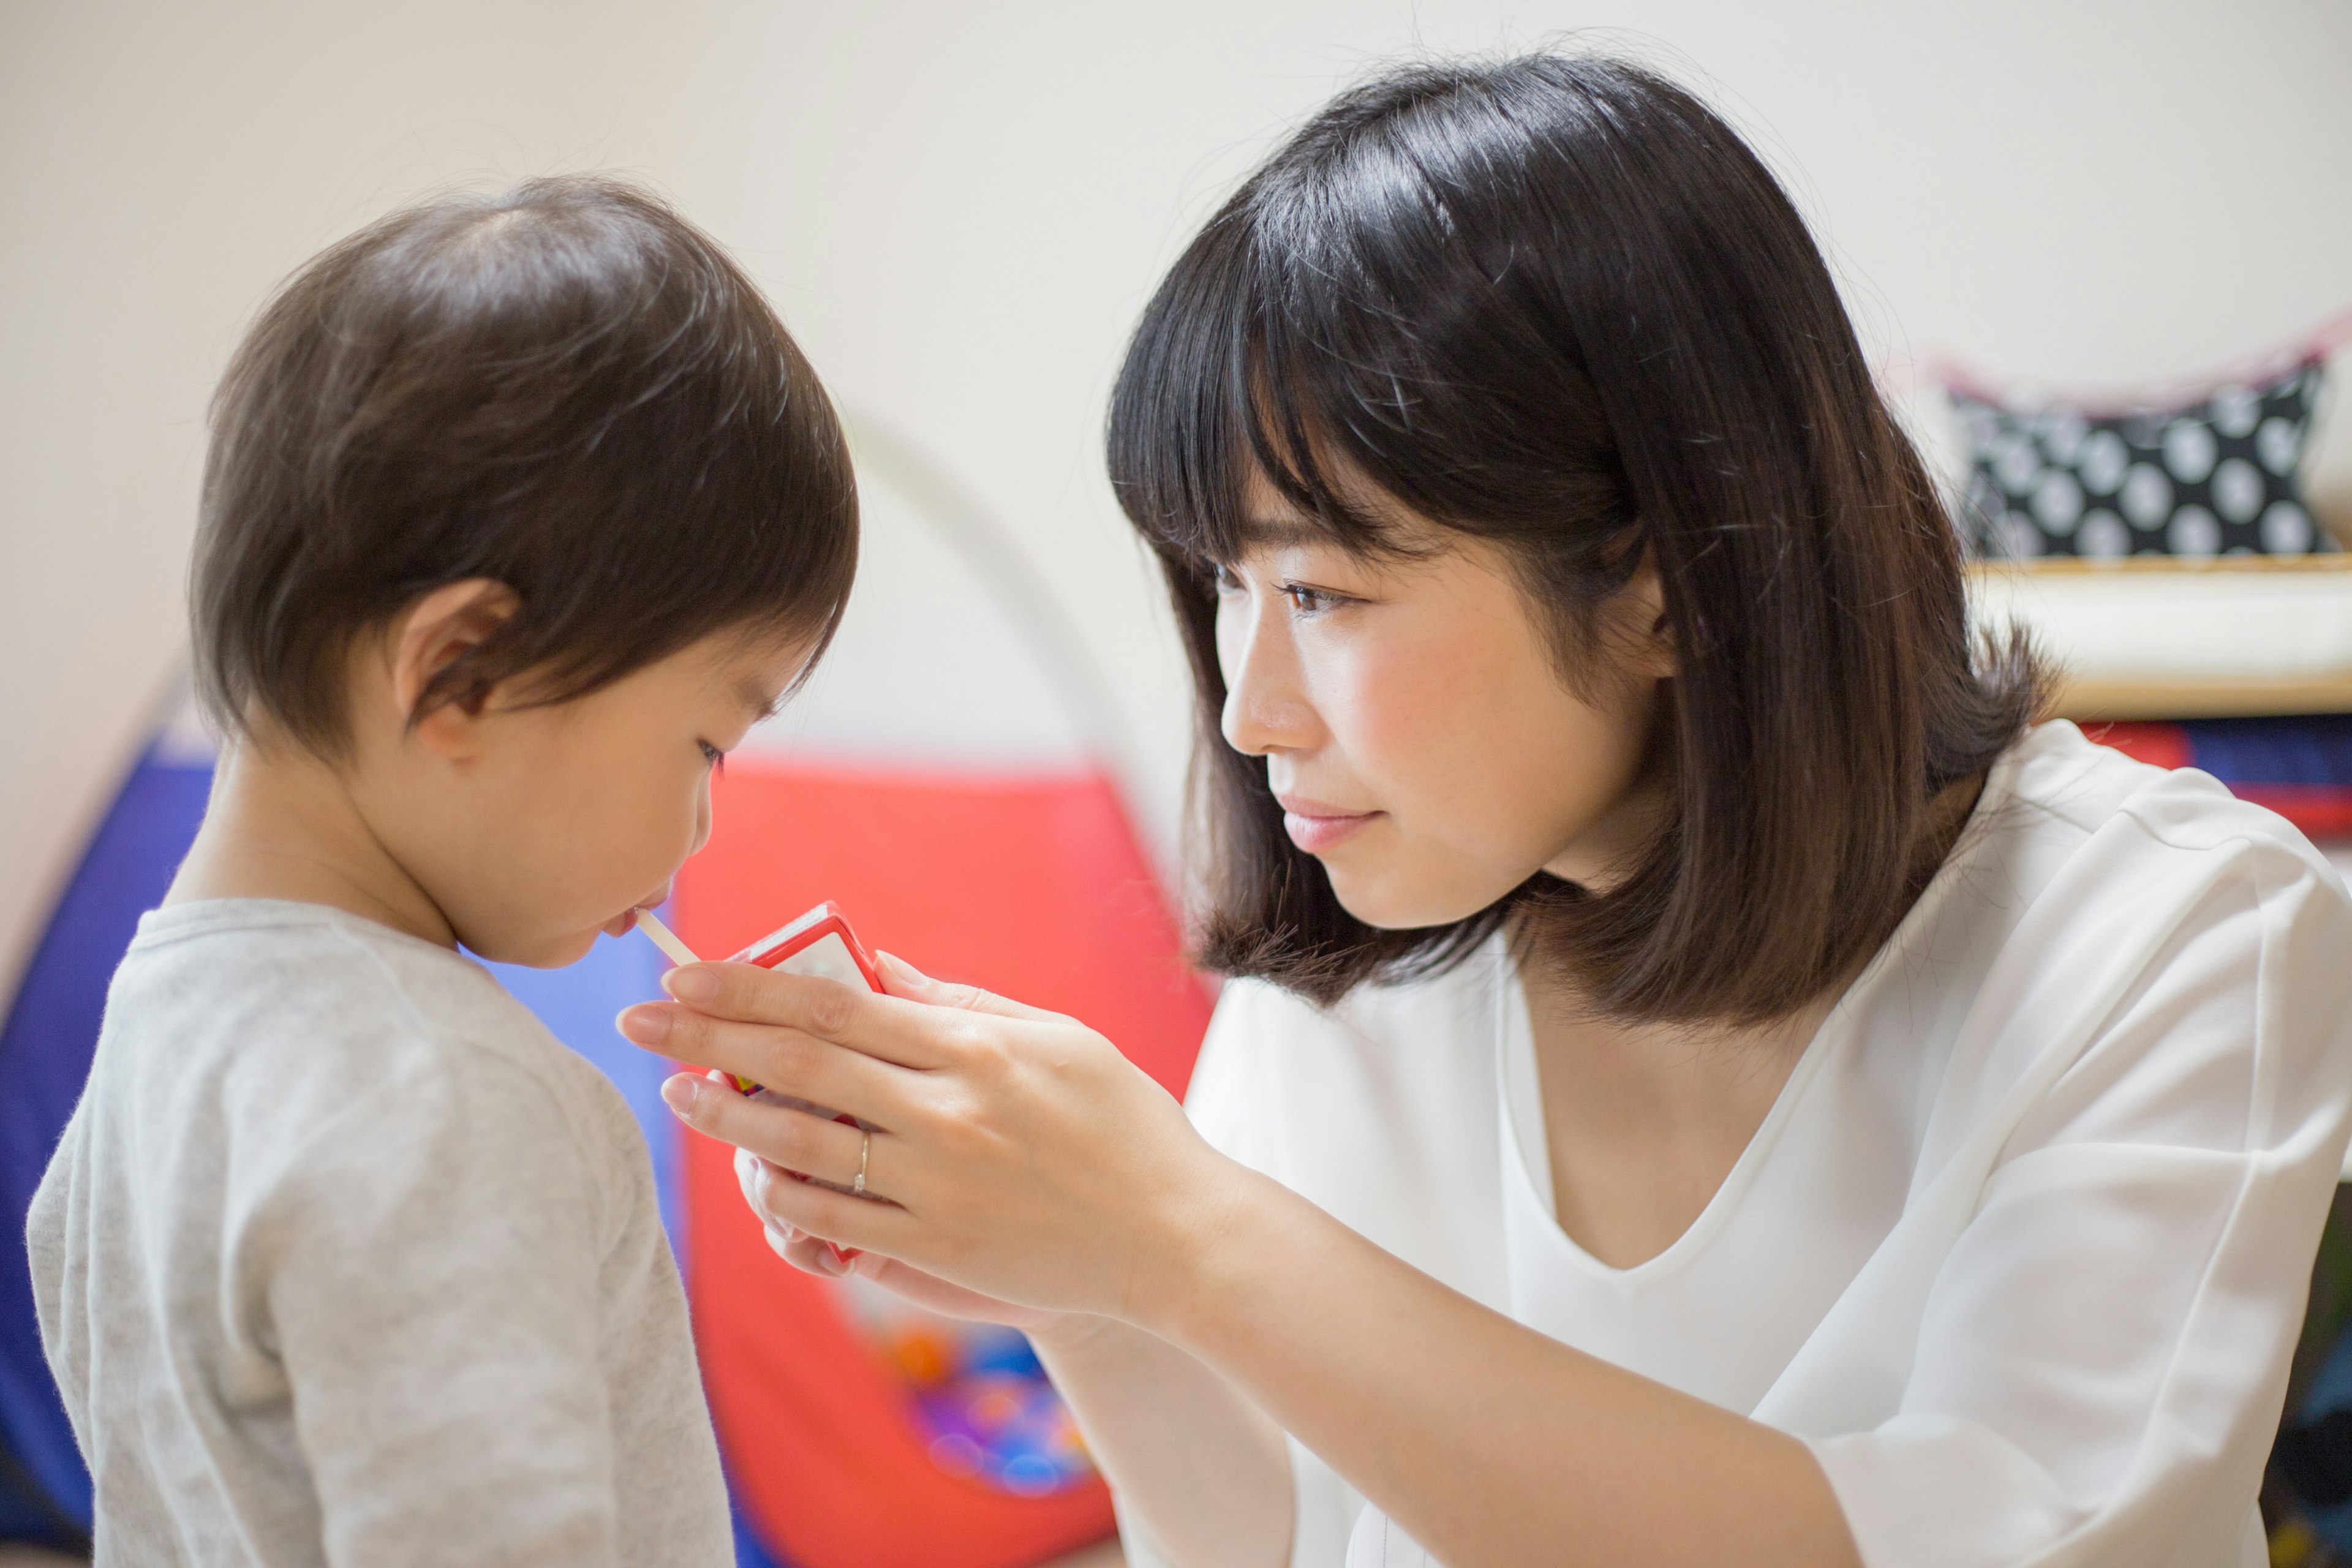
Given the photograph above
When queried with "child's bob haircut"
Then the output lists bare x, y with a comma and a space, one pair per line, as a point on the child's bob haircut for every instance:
1555, 303
568, 389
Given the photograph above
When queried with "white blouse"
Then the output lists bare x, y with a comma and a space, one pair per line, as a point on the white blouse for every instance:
2020, 1251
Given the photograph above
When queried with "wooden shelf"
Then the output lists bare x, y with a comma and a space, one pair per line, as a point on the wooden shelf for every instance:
2154, 637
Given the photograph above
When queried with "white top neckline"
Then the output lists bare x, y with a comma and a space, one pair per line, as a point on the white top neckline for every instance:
1527, 1152
1527, 1146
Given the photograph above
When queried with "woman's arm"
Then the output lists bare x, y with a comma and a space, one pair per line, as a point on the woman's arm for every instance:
1486, 1441
1204, 1470
1199, 1468
1024, 1158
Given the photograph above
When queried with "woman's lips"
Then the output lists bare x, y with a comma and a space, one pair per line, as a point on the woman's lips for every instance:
1315, 827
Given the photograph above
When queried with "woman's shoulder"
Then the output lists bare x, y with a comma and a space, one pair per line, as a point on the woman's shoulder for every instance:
2123, 935
2081, 863
2057, 779
2067, 823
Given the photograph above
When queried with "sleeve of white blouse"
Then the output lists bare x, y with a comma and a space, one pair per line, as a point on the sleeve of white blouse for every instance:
1228, 1095
2103, 1353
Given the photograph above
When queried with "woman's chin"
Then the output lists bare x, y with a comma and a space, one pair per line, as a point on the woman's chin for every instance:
1391, 902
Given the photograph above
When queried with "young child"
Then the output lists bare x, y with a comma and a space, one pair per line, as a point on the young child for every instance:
519, 512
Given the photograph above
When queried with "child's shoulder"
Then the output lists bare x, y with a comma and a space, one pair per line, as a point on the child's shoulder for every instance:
303, 994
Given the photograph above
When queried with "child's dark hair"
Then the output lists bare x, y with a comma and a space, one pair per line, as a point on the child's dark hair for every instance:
568, 389
1554, 303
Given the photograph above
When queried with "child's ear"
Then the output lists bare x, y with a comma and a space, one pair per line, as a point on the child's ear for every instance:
434, 632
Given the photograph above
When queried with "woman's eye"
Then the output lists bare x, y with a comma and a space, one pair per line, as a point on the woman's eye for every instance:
1310, 601
713, 755
1228, 579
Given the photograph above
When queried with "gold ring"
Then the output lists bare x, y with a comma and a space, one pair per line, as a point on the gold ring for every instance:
865, 1150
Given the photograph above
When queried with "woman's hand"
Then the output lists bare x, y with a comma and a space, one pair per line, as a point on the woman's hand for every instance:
1019, 1158
813, 1255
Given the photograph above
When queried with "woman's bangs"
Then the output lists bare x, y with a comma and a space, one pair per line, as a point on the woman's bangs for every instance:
1214, 395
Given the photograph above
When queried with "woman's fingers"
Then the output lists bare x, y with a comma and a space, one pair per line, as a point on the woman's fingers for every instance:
807, 1254
792, 1140
822, 1216
878, 1026
784, 1059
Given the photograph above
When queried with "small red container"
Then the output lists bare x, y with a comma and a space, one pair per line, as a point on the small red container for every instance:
819, 943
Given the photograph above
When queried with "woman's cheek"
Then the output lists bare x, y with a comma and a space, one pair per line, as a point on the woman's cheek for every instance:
1397, 732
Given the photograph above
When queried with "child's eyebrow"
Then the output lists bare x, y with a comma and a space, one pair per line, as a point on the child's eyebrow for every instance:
757, 700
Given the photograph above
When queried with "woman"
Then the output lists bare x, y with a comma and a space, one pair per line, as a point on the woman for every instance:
1706, 1080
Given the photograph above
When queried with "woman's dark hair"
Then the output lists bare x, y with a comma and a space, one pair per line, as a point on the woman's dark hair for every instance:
569, 389
1557, 304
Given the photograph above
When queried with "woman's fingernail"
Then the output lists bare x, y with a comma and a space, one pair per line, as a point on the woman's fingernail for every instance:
691, 986
834, 1262
680, 1092
901, 968
647, 1025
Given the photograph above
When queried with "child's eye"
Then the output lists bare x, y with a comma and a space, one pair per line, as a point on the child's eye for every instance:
713, 755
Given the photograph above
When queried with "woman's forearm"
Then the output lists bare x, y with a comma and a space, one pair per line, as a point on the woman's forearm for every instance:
1200, 1468
1488, 1443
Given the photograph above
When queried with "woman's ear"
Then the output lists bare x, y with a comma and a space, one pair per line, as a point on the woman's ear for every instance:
1642, 620
428, 638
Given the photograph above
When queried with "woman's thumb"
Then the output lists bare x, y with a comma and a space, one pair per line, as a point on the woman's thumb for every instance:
903, 979
900, 978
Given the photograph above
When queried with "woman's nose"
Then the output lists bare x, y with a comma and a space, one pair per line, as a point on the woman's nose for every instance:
1265, 709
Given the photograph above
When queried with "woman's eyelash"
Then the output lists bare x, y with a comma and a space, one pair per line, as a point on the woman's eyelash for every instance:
1305, 599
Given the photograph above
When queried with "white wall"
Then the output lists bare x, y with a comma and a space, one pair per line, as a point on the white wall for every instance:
960, 206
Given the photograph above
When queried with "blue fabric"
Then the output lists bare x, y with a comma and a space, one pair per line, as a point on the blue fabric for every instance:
2331, 1389
2313, 751
45, 1053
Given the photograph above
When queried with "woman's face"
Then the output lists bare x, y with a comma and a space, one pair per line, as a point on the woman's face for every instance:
1415, 724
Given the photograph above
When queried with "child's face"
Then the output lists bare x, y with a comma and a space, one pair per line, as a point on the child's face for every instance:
534, 828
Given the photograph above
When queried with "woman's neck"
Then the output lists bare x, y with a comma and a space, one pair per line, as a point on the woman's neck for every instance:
1644, 1122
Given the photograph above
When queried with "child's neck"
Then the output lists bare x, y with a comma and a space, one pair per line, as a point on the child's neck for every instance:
283, 824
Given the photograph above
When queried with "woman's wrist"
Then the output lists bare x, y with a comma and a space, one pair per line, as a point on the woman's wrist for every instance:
1066, 1332
1209, 1255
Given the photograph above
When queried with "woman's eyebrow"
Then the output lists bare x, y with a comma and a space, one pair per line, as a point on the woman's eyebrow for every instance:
1280, 533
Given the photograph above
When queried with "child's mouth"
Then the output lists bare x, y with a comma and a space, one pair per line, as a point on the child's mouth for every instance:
626, 920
